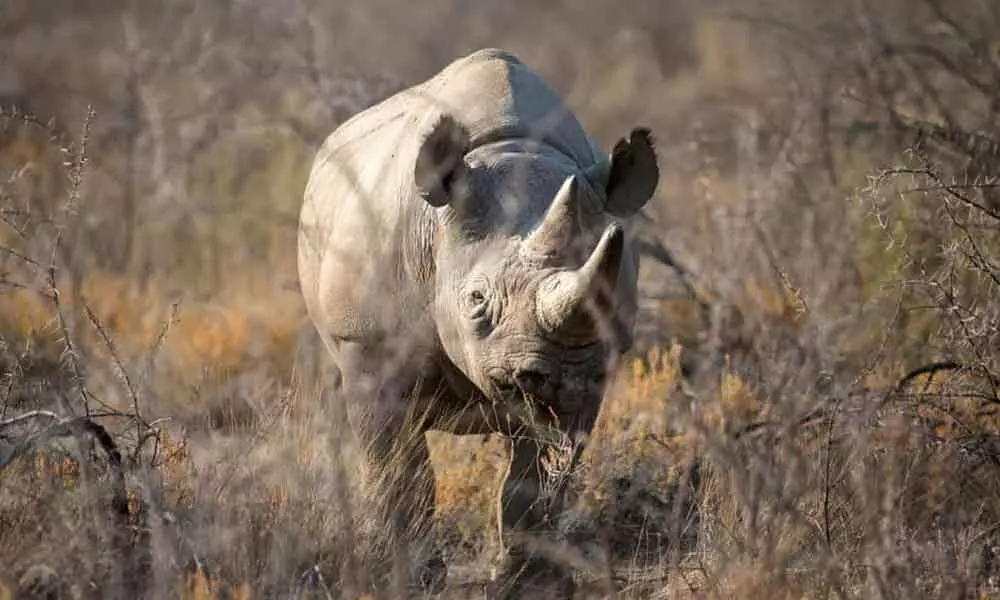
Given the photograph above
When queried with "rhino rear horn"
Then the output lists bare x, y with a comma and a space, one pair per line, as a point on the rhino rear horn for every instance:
570, 305
439, 160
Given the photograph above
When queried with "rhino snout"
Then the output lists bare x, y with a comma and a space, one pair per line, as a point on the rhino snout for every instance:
533, 379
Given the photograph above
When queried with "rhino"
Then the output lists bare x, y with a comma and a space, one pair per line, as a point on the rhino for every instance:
464, 253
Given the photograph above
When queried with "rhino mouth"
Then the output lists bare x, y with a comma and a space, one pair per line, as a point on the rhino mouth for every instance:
505, 388
527, 414
539, 422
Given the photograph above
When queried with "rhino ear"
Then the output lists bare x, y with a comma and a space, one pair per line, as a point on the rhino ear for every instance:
634, 173
440, 159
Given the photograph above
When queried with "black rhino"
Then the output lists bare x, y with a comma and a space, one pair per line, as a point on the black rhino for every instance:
465, 256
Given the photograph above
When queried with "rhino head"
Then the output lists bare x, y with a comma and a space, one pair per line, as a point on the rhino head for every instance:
534, 277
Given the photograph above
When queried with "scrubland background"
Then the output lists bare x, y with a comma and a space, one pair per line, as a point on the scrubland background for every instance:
810, 410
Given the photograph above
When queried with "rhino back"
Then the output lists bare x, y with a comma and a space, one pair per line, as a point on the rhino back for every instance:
492, 93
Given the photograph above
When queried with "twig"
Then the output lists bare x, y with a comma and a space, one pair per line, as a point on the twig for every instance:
655, 250
827, 483
21, 257
34, 414
951, 190
76, 179
929, 369
158, 343
67, 339
133, 394
72, 427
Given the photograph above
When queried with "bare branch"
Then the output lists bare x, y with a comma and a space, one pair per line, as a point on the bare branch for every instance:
929, 369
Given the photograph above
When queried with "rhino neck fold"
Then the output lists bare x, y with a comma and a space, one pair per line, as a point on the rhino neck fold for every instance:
512, 133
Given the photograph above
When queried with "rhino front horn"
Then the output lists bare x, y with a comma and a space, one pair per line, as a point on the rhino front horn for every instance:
571, 303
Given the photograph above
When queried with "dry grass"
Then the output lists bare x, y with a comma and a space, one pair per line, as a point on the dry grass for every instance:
666, 486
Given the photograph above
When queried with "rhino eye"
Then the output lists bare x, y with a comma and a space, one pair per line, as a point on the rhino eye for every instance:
475, 301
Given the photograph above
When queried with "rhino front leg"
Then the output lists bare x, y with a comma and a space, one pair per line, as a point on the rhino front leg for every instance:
527, 532
398, 479
400, 483
532, 499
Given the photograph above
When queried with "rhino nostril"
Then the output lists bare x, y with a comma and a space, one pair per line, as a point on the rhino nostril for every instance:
530, 381
502, 383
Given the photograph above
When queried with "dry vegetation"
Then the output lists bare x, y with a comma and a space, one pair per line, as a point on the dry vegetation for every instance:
811, 410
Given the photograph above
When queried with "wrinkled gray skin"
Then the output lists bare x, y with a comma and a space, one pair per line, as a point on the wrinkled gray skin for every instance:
463, 253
